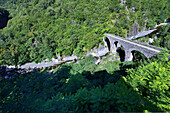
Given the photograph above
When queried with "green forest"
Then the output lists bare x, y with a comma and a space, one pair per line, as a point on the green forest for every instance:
42, 29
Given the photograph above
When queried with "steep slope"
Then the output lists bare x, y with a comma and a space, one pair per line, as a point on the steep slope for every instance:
41, 29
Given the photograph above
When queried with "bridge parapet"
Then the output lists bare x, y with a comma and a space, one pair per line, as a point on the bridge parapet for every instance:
130, 46
154, 47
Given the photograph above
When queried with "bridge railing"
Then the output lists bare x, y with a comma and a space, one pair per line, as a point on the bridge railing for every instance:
148, 45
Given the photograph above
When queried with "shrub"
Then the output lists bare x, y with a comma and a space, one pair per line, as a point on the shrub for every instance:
152, 81
117, 97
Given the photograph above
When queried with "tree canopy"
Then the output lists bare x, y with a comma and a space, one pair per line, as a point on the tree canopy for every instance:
40, 29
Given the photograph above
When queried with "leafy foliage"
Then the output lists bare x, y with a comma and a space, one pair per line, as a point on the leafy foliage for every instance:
152, 81
163, 39
41, 29
69, 90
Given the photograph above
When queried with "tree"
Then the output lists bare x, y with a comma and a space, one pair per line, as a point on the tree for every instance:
151, 81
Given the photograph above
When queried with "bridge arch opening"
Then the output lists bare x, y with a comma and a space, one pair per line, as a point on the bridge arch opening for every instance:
138, 56
116, 43
121, 53
108, 43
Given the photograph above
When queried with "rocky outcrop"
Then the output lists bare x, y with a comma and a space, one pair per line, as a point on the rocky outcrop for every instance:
134, 29
98, 53
133, 34
122, 2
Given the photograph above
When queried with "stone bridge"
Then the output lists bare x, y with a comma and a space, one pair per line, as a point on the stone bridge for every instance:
115, 42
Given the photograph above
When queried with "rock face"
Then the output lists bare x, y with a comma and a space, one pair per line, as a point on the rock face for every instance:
122, 2
99, 52
151, 40
134, 29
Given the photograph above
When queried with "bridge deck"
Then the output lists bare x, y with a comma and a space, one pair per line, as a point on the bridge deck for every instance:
157, 49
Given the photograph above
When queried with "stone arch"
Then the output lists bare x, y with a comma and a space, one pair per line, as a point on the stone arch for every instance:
116, 43
121, 53
108, 43
138, 55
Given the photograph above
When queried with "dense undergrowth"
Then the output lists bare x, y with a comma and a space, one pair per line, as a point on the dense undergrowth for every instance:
86, 87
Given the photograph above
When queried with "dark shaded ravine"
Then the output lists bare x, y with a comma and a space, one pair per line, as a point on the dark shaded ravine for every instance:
4, 17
